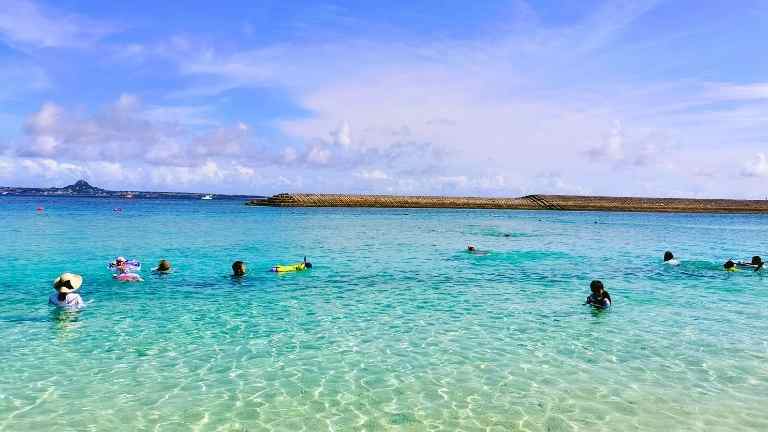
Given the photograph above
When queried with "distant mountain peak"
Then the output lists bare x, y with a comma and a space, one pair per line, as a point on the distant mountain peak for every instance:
81, 186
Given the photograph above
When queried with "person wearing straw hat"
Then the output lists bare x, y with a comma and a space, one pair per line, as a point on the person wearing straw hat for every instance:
66, 296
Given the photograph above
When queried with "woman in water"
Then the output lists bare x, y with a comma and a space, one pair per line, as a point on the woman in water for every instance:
730, 266
66, 296
599, 297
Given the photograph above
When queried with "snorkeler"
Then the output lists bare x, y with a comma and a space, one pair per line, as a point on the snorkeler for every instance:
66, 296
280, 268
239, 269
599, 297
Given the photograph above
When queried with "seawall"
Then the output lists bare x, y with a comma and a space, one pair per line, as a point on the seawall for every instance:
528, 202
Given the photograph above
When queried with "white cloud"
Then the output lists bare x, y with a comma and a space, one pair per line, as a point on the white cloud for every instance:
24, 22
612, 148
342, 135
125, 130
319, 155
758, 167
374, 174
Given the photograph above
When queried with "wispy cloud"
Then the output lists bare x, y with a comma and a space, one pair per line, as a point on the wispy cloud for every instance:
25, 22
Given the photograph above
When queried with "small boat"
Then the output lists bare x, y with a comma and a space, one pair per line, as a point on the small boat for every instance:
207, 197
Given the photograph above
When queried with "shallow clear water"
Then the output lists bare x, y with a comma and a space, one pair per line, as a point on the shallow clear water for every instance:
396, 328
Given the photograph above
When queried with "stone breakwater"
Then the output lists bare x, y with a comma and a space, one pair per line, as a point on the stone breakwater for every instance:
528, 202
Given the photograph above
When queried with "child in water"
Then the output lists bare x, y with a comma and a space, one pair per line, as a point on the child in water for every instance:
599, 297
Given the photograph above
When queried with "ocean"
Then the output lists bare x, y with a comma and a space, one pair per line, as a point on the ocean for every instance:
396, 327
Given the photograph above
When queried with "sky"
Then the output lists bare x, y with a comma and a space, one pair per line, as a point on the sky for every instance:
491, 98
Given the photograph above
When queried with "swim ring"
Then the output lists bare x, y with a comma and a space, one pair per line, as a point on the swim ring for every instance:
131, 266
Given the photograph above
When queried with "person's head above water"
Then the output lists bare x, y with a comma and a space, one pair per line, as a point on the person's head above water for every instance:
238, 268
163, 266
668, 256
756, 260
729, 265
597, 287
307, 264
471, 248
67, 283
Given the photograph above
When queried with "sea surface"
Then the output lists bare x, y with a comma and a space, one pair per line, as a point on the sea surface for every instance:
395, 328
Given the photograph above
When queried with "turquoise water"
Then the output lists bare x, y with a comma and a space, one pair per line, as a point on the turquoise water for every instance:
396, 328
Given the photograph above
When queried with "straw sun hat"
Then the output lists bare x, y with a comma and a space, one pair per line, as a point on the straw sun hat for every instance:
67, 283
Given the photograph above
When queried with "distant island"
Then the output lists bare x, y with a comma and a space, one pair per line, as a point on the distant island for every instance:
82, 189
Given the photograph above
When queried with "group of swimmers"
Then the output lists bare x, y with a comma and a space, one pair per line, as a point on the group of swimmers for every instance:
601, 299
67, 284
755, 264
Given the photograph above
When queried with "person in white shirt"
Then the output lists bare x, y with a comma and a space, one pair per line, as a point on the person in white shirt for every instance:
66, 296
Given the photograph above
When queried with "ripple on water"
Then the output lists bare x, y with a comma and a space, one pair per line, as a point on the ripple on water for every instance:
396, 328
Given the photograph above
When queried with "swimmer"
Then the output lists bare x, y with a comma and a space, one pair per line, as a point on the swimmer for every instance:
304, 265
669, 258
239, 269
730, 266
756, 263
66, 296
599, 297
474, 251
163, 266
120, 265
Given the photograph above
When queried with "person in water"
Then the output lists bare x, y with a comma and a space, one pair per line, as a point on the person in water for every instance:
475, 251
238, 268
755, 263
670, 259
120, 265
730, 266
304, 265
599, 297
163, 267
66, 296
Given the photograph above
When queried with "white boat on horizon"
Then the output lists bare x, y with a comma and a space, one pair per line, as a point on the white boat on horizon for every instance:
207, 197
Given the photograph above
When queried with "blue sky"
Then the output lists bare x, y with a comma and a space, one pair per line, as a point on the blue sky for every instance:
662, 98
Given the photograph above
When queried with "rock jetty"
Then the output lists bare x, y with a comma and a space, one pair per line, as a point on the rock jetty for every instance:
528, 202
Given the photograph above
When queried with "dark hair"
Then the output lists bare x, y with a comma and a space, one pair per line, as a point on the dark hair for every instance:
238, 267
668, 256
756, 260
595, 284
729, 264
164, 265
